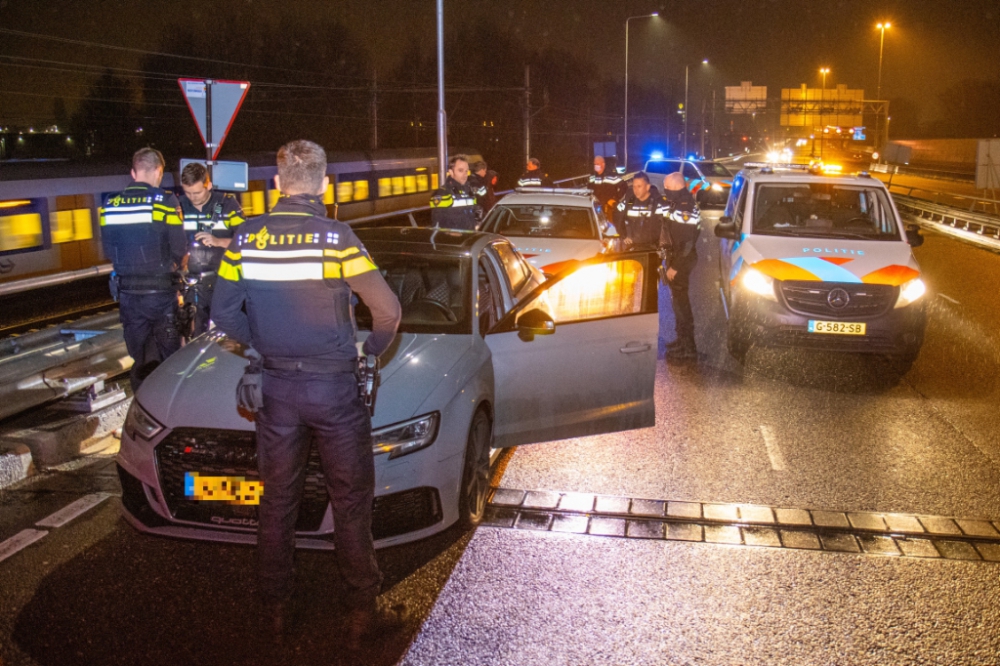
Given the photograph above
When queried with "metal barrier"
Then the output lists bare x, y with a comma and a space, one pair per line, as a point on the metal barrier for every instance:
937, 195
979, 229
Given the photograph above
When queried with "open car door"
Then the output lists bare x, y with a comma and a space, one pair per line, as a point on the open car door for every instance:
578, 355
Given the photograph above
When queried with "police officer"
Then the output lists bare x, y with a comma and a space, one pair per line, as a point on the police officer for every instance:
534, 176
483, 183
209, 219
143, 236
682, 223
636, 217
285, 288
453, 205
606, 185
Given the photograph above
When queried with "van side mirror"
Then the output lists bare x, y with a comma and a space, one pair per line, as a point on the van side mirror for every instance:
726, 228
913, 236
535, 322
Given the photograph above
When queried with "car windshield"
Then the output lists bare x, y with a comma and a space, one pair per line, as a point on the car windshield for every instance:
823, 210
542, 221
713, 169
434, 293
663, 166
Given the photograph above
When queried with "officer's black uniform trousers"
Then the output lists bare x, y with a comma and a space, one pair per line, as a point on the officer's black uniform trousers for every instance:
149, 326
680, 300
301, 408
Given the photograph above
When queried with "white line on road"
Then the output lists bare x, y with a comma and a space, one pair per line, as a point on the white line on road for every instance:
18, 541
948, 298
773, 452
71, 511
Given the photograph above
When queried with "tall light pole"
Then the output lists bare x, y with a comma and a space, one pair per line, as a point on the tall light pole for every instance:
442, 116
878, 95
822, 100
654, 14
686, 80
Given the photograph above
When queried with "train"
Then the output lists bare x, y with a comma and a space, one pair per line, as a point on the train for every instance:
49, 211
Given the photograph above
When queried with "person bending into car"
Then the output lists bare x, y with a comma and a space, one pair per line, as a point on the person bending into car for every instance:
285, 288
682, 224
453, 205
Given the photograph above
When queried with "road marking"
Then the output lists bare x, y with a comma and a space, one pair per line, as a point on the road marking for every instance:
773, 452
71, 511
20, 540
948, 298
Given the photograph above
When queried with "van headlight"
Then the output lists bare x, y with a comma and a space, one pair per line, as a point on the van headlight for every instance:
138, 423
762, 285
716, 187
910, 291
400, 439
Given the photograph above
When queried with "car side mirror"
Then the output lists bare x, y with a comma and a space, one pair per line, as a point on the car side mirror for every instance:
913, 236
535, 322
726, 228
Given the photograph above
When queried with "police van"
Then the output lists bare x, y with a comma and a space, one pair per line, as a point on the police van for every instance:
822, 261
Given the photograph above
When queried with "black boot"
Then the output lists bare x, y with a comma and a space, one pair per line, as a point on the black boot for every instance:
369, 624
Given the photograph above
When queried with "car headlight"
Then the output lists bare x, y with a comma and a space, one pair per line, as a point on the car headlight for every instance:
138, 423
758, 283
716, 187
400, 439
910, 292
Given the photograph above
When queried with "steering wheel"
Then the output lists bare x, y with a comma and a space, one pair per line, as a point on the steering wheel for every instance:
437, 306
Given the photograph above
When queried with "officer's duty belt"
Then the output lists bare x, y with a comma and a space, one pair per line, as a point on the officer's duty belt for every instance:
311, 366
146, 283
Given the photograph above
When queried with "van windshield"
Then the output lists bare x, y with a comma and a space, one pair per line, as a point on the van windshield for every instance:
714, 169
823, 210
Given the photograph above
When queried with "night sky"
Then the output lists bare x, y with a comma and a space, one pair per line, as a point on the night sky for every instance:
778, 43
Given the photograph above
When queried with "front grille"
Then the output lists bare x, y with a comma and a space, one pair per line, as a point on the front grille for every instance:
812, 298
234, 453
842, 343
227, 453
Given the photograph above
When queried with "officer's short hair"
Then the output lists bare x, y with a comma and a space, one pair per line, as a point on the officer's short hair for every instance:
533, 161
456, 159
478, 165
301, 165
641, 175
147, 159
193, 174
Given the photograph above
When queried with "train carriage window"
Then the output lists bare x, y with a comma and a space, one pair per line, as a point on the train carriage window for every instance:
252, 201
72, 220
20, 225
434, 181
272, 198
353, 187
328, 195
397, 185
410, 184
384, 187
360, 190
422, 182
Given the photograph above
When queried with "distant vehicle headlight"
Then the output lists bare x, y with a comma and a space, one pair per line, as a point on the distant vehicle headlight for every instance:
911, 291
758, 283
400, 439
138, 423
716, 187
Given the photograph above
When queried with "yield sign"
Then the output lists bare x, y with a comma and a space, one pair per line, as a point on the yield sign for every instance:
226, 98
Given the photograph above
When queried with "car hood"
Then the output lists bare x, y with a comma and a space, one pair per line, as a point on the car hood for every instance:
829, 260
196, 387
542, 252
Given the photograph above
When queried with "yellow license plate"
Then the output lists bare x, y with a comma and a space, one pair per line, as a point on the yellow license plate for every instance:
837, 327
229, 489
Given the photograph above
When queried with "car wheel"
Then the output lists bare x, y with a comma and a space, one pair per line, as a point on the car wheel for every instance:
476, 471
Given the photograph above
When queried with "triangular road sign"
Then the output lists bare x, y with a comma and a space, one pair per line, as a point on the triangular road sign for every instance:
227, 96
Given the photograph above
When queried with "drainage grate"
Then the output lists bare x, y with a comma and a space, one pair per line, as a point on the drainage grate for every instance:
889, 534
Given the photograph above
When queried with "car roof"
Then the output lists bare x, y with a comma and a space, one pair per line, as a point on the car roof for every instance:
779, 175
551, 198
425, 240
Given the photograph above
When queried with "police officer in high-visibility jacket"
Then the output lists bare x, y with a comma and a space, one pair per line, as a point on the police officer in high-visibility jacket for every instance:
143, 236
606, 185
454, 205
635, 217
210, 217
285, 288
533, 175
682, 222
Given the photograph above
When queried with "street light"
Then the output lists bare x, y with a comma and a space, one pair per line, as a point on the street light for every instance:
686, 79
822, 100
654, 14
878, 95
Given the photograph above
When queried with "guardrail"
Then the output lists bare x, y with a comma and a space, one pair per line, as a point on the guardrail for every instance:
971, 227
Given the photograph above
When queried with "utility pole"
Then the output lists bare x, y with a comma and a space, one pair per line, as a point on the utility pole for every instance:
684, 155
715, 130
527, 113
375, 110
702, 153
442, 116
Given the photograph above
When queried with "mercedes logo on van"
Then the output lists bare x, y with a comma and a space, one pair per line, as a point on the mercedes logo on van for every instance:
838, 299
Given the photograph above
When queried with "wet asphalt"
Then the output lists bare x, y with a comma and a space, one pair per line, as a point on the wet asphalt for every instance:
788, 430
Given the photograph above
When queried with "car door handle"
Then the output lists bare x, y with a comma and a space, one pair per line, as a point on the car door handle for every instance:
633, 348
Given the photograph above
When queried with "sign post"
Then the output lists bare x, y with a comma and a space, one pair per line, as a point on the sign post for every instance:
214, 105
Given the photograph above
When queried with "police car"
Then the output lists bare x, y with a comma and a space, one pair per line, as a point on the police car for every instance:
552, 228
708, 181
487, 356
820, 261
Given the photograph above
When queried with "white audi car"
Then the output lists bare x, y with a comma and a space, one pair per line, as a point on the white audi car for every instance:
552, 228
487, 356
